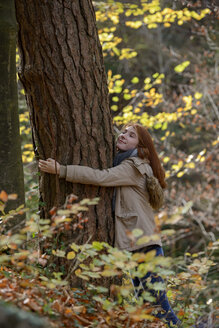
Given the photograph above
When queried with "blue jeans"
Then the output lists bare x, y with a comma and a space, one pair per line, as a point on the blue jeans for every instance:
167, 313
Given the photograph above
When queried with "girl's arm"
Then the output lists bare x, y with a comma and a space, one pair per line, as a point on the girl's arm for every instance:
124, 174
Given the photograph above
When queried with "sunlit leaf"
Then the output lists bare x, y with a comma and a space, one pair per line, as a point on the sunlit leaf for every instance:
198, 95
70, 255
180, 68
135, 80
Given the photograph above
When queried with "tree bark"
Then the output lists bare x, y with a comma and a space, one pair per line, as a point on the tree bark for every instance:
66, 89
11, 169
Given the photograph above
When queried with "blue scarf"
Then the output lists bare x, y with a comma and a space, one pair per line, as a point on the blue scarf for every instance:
122, 155
119, 158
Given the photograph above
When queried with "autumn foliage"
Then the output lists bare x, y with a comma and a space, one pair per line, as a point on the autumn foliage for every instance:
162, 73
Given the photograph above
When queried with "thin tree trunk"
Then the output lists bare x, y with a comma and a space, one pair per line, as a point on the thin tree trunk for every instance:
66, 89
11, 169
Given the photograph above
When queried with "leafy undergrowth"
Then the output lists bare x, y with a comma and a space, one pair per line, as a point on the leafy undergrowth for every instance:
65, 307
32, 278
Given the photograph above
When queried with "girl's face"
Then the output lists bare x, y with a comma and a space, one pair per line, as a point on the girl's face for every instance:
128, 139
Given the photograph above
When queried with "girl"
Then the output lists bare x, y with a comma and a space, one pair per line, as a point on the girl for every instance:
136, 160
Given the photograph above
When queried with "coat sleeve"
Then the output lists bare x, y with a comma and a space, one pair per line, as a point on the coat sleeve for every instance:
124, 174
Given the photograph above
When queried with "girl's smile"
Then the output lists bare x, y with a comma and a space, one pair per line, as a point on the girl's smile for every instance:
128, 139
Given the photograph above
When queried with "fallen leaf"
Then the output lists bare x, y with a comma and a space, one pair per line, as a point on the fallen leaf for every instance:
12, 196
79, 309
56, 306
3, 196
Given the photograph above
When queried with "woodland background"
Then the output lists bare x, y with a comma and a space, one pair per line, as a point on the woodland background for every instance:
161, 61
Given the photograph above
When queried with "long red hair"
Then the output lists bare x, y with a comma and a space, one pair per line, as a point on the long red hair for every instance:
147, 150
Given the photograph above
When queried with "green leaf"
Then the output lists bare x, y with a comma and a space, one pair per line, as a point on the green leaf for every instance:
101, 289
75, 247
158, 286
109, 273
91, 274
157, 126
168, 232
115, 99
127, 96
137, 232
135, 80
107, 305
97, 245
155, 75
164, 126
116, 51
143, 240
42, 221
117, 89
114, 108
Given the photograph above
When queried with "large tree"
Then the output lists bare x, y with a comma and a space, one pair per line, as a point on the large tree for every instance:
11, 169
66, 89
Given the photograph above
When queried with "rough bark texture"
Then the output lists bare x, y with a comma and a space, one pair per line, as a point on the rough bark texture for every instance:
64, 78
11, 169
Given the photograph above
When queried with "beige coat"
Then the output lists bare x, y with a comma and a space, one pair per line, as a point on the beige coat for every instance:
132, 209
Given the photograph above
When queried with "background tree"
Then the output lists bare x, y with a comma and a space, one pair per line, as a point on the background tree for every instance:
11, 168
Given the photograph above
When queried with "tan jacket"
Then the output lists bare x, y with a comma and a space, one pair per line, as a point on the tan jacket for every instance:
132, 209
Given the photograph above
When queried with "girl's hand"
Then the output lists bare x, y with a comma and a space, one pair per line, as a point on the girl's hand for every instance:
49, 166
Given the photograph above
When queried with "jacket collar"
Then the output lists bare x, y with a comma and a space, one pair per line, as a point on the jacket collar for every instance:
121, 156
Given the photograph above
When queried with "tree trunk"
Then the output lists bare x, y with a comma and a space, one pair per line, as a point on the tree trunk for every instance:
66, 89
11, 169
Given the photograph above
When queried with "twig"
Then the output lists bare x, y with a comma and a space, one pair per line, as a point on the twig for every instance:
75, 263
213, 105
82, 319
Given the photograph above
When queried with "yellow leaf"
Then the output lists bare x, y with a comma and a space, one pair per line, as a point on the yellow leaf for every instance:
135, 80
190, 165
215, 142
180, 174
166, 159
194, 255
135, 24
147, 80
198, 95
78, 272
70, 255
114, 107
152, 25
167, 174
181, 67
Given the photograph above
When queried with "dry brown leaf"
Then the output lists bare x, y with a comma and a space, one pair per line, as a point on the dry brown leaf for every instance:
57, 306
